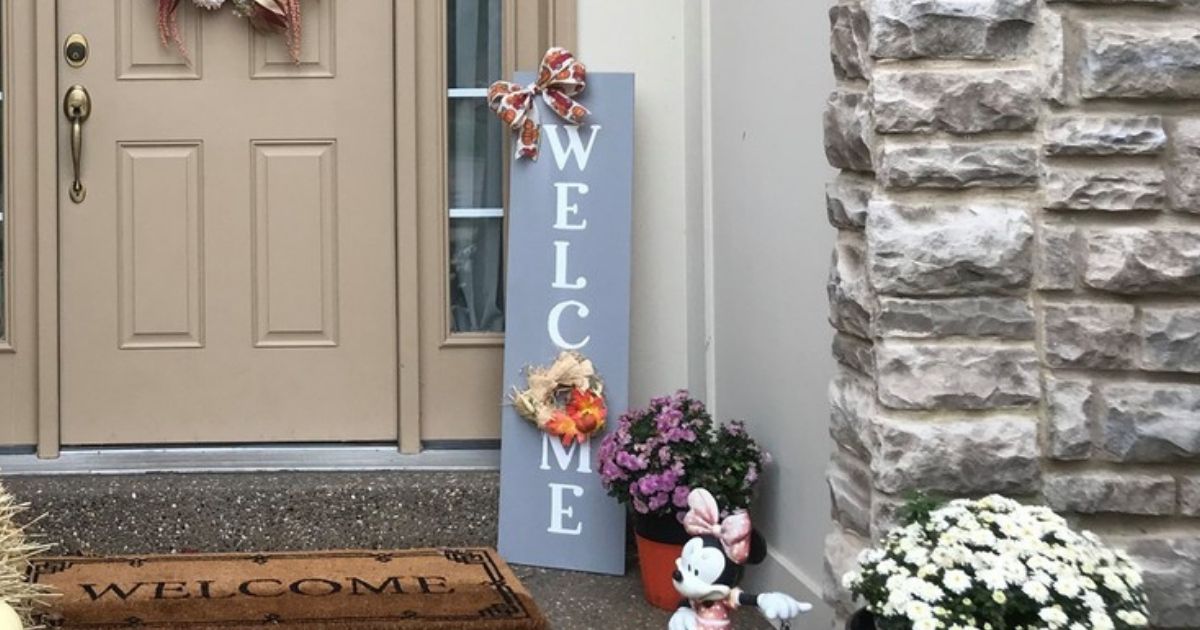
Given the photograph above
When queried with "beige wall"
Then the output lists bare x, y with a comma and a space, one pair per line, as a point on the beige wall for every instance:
656, 40
771, 256
729, 205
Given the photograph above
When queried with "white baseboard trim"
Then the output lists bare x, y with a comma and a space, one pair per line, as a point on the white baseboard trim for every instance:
777, 573
124, 461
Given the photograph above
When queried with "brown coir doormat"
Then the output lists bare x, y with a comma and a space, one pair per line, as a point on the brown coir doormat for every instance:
435, 589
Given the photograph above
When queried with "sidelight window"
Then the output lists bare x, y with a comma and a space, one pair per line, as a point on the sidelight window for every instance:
476, 168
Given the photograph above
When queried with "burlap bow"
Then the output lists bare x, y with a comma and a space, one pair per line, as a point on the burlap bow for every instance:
560, 78
704, 518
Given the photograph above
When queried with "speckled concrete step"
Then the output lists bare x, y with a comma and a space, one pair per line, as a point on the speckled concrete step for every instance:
212, 512
167, 513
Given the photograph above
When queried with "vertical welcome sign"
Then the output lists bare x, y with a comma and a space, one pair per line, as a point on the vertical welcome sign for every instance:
568, 289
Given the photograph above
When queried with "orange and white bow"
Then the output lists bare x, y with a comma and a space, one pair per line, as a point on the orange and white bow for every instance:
704, 519
560, 78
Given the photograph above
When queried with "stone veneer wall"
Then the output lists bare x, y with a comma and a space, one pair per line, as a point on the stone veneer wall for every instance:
1016, 279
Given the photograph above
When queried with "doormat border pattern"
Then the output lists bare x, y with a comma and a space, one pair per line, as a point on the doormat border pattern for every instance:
512, 607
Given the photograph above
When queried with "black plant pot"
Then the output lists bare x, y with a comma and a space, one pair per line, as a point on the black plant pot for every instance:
862, 620
663, 529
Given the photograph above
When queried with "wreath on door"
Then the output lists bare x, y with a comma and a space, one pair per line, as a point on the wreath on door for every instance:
266, 16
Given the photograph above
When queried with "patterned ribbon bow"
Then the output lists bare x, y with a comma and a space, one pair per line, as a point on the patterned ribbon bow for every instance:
704, 518
560, 78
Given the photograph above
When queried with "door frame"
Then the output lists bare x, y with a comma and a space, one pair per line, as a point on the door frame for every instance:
33, 69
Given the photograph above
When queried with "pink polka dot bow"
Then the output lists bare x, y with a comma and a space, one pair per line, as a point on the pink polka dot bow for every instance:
704, 518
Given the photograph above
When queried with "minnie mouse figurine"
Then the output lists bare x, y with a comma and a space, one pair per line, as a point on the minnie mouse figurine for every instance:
711, 567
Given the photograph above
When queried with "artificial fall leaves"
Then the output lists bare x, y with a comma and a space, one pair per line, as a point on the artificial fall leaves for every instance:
572, 380
584, 415
279, 16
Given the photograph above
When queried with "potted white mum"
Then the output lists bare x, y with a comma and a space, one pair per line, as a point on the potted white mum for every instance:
994, 564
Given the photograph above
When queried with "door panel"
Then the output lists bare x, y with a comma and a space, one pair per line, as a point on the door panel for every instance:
230, 275
160, 282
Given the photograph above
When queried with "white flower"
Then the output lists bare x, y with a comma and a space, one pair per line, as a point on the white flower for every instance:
1114, 582
957, 581
870, 556
918, 610
1100, 620
925, 570
993, 579
850, 580
1054, 616
209, 4
1036, 591
1067, 585
1132, 617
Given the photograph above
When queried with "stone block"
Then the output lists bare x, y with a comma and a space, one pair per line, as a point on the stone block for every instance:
1104, 135
1132, 60
955, 101
946, 250
841, 557
959, 166
848, 131
850, 29
1171, 339
849, 481
1100, 336
1185, 166
854, 353
1071, 405
972, 456
976, 375
1164, 3
1058, 260
1109, 189
1096, 492
1170, 566
1134, 260
1007, 317
1189, 495
850, 296
1151, 422
846, 199
852, 406
1053, 58
885, 513
951, 29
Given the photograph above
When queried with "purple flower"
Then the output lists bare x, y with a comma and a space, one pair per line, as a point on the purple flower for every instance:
653, 457
631, 462
680, 496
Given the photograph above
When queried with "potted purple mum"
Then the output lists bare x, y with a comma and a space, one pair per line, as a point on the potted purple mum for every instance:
654, 457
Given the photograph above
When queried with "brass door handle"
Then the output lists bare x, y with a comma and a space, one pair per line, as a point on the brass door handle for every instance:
77, 105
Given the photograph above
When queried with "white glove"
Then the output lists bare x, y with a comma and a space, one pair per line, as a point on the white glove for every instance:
780, 607
683, 619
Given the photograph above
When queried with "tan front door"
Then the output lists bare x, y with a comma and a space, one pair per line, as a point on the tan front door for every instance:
230, 274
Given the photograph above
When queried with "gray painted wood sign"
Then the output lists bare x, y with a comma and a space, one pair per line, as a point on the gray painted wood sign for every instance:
568, 289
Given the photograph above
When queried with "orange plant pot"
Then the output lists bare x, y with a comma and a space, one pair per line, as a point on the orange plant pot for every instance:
660, 541
657, 563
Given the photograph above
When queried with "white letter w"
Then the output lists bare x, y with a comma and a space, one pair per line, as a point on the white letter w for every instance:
574, 145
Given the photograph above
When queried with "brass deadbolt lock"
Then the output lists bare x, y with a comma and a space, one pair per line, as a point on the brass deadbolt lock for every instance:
76, 50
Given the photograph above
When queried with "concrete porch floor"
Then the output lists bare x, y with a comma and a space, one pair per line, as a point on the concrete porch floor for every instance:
210, 512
